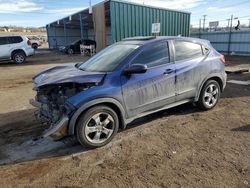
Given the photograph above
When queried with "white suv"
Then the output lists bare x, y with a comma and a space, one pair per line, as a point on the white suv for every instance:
16, 48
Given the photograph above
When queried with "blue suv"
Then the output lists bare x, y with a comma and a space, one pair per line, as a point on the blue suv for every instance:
127, 80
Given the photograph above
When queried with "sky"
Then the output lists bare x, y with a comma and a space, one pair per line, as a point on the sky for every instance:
38, 13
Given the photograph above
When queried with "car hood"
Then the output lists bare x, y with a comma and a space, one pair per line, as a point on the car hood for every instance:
61, 48
66, 73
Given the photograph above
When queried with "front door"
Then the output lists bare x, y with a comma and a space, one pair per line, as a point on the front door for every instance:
154, 89
4, 48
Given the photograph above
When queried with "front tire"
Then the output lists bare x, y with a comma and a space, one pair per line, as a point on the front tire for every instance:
97, 126
209, 96
19, 57
70, 51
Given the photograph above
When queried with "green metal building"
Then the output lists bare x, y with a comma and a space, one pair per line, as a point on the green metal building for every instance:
112, 20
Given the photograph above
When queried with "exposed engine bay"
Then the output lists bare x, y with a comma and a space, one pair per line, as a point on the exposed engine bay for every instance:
54, 87
52, 100
52, 107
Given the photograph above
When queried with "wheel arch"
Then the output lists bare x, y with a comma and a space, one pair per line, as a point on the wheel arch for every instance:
34, 44
216, 77
112, 103
16, 51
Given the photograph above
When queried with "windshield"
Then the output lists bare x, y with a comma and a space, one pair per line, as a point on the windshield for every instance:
76, 41
108, 59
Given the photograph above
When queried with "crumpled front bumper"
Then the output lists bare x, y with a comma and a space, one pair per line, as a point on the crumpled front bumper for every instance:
224, 80
55, 131
58, 130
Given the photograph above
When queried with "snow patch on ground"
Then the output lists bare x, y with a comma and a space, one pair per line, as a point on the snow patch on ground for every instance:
30, 150
240, 82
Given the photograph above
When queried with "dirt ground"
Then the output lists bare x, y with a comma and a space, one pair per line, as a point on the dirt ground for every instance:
180, 147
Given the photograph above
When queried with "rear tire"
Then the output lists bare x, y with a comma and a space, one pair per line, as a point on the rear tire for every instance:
209, 96
35, 46
19, 57
97, 126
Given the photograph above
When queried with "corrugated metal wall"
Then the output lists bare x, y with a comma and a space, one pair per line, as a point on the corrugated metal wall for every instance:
128, 20
56, 37
239, 43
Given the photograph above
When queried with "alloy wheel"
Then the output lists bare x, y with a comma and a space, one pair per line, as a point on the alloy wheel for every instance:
211, 95
19, 58
99, 128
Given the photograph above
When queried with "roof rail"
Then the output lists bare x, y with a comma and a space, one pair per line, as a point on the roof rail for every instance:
140, 38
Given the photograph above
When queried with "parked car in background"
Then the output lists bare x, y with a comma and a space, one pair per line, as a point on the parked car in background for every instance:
125, 81
35, 41
16, 48
74, 48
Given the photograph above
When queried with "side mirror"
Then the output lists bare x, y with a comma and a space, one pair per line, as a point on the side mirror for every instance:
136, 69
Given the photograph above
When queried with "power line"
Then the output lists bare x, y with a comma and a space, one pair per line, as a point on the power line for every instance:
214, 20
224, 20
244, 16
229, 21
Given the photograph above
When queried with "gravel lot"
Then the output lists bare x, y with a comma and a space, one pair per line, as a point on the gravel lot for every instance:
180, 147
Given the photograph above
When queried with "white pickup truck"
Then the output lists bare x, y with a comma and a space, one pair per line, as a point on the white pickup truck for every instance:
35, 41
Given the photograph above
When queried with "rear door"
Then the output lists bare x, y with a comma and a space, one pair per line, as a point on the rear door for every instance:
155, 88
16, 42
4, 48
189, 60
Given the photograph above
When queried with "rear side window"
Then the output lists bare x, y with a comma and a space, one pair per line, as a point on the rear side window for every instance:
187, 50
155, 55
3, 40
15, 39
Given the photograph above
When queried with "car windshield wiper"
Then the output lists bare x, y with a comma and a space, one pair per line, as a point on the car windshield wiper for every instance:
82, 69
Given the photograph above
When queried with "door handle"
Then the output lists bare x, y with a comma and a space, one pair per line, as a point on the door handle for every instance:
169, 71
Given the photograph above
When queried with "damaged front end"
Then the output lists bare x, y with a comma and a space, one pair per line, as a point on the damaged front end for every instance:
53, 108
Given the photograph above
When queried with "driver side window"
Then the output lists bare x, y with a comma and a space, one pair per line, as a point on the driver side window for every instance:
155, 55
3, 41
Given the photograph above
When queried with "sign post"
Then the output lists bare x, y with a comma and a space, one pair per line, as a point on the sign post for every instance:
214, 24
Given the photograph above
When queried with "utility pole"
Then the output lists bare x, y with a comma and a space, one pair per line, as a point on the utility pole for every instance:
90, 7
204, 21
228, 23
230, 35
200, 29
231, 23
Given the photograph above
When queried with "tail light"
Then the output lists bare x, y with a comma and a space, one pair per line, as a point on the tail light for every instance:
222, 58
29, 43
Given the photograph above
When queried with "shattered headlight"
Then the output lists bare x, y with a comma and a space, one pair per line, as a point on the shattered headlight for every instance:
34, 87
